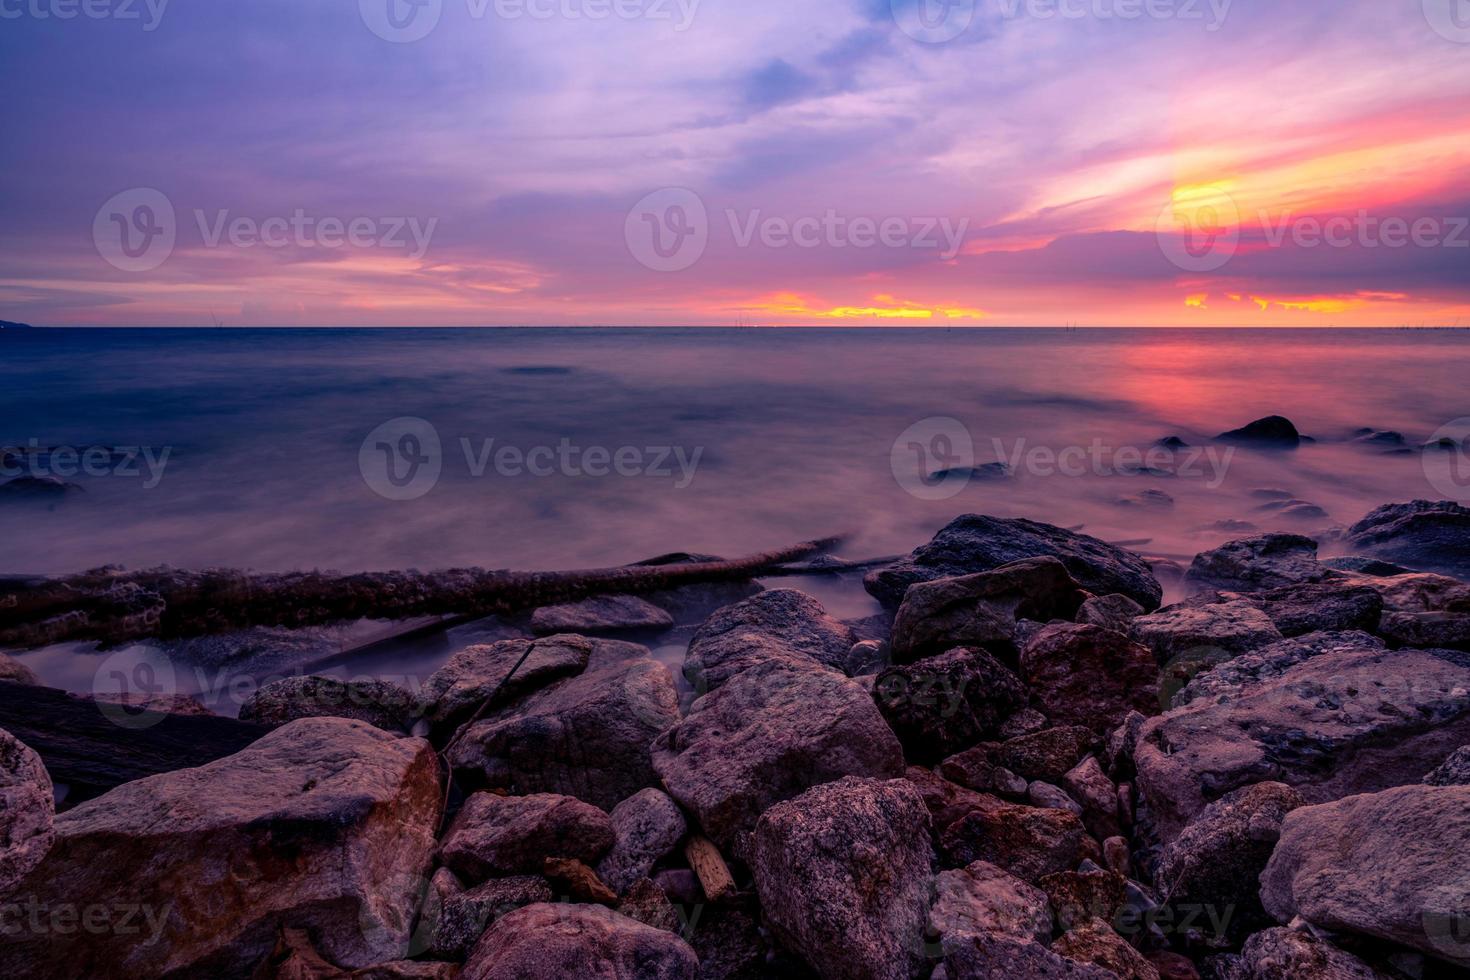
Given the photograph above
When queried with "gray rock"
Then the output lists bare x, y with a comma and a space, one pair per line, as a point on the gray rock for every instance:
1388, 865
1046, 795
780, 626
15, 672
1290, 954
601, 615
586, 737
976, 543
1355, 721
1255, 564
1090, 676
453, 692
767, 735
1229, 679
942, 704
843, 873
1113, 612
378, 703
1433, 536
506, 835
647, 825
554, 942
1454, 771
982, 900
27, 811
454, 917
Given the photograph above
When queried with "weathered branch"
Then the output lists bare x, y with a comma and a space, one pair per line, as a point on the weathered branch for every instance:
111, 606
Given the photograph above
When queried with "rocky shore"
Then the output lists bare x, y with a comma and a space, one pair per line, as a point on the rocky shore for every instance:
1027, 767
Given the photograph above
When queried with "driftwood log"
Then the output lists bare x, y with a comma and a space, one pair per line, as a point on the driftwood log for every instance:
111, 606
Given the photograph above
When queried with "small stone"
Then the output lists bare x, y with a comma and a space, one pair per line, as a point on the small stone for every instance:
646, 902
1090, 787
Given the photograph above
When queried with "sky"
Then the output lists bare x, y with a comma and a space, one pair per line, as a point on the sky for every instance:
723, 162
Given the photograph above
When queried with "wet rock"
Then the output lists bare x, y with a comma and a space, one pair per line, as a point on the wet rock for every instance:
587, 737
1047, 755
1354, 721
27, 810
1186, 638
15, 672
781, 626
552, 942
1272, 432
843, 873
1430, 535
1271, 493
1095, 942
1454, 771
1172, 442
455, 917
981, 610
601, 615
1113, 612
982, 900
1079, 896
983, 472
1228, 680
378, 703
1314, 606
1096, 794
1028, 842
1294, 510
767, 735
942, 704
1002, 958
647, 826
1268, 561
1046, 795
976, 543
327, 824
505, 835
1388, 865
1090, 676
1290, 954
1216, 862
878, 628
454, 692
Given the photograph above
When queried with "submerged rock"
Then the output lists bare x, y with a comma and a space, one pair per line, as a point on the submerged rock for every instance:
553, 942
780, 626
943, 704
1272, 432
1432, 536
27, 809
506, 835
601, 615
1268, 561
976, 543
378, 703
843, 873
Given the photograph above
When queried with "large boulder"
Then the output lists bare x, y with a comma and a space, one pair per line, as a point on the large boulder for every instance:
455, 691
780, 626
1352, 721
326, 824
1272, 432
976, 543
646, 826
1388, 865
843, 873
1255, 564
1432, 536
982, 900
553, 942
943, 704
27, 809
379, 703
983, 609
1291, 954
1229, 679
587, 737
1311, 607
1182, 631
1089, 676
506, 835
767, 735
601, 615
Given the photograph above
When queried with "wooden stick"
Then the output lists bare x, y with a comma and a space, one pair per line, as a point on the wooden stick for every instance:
710, 867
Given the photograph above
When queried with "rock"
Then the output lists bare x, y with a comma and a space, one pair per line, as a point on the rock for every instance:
454, 917
1113, 612
168, 704
454, 692
1028, 842
1047, 755
327, 824
43, 489
646, 902
27, 810
1229, 526
1008, 784
1229, 679
587, 737
943, 704
982, 900
1388, 865
1455, 771
1271, 493
1172, 442
577, 881
976, 543
1354, 721
1272, 432
982, 610
15, 672
647, 826
1315, 606
1187, 639
1090, 676
1027, 721
1268, 561
1365, 566
1117, 856
408, 970
843, 873
1172, 966
601, 615
1417, 592
1002, 958
1216, 862
1427, 535
973, 769
681, 885
781, 626
378, 703
1079, 896
866, 658
1096, 943
1098, 797
1289, 954
1444, 630
1046, 795
730, 946
552, 942
505, 835
767, 735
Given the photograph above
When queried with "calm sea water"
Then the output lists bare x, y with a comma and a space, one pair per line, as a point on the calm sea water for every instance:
276, 459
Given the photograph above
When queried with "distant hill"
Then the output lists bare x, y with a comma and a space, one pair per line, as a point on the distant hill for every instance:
8, 325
